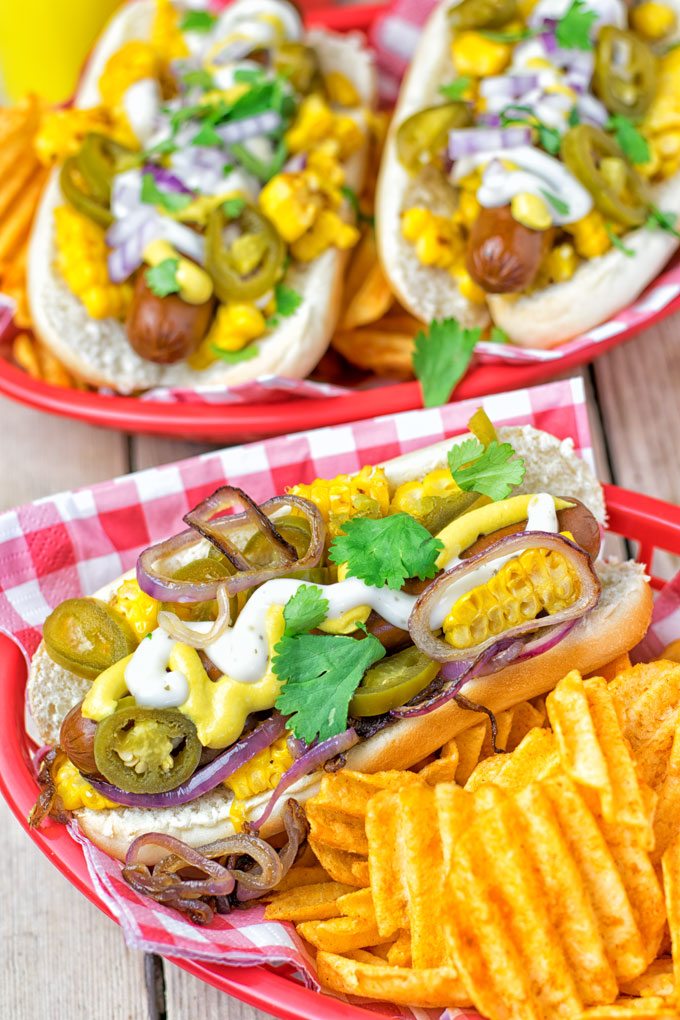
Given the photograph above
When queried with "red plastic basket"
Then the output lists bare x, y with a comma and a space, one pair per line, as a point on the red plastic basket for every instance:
238, 422
651, 523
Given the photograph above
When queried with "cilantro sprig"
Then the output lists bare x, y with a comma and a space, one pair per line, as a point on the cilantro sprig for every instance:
493, 471
549, 138
456, 89
616, 241
558, 205
320, 673
441, 357
574, 29
162, 278
386, 551
658, 220
287, 302
305, 610
171, 201
235, 357
632, 142
197, 21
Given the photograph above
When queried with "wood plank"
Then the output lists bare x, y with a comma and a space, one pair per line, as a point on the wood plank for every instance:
41, 454
637, 389
150, 451
62, 958
187, 996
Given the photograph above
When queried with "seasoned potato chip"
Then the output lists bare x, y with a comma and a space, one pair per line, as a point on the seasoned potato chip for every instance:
657, 980
399, 953
358, 903
594, 752
525, 717
667, 815
350, 869
302, 875
405, 987
469, 744
390, 896
328, 825
536, 757
455, 812
489, 770
670, 864
651, 1008
611, 669
442, 769
339, 934
307, 903
648, 698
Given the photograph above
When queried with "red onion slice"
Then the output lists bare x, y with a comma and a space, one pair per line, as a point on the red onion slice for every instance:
230, 535
441, 651
509, 86
203, 780
473, 141
313, 758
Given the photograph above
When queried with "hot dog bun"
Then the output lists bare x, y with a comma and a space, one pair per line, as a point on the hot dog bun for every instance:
97, 350
613, 627
600, 287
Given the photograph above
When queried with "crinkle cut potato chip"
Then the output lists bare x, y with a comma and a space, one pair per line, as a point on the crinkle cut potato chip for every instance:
339, 934
670, 864
652, 1008
307, 902
400, 985
657, 980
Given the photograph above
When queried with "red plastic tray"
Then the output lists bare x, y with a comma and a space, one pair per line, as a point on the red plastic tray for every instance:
245, 422
651, 523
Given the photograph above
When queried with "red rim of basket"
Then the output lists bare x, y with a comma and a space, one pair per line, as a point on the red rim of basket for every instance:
650, 522
248, 421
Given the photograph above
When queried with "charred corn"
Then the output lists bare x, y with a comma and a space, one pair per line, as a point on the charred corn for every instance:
81, 260
538, 580
138, 608
261, 773
365, 494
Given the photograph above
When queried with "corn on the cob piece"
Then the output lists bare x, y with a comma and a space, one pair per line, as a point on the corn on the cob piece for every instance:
538, 580
365, 494
81, 260
261, 773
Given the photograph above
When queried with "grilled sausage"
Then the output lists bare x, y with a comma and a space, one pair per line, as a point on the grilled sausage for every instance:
165, 329
503, 256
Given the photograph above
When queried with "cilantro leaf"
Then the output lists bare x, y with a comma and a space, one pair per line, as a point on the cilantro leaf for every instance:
441, 357
548, 138
386, 551
207, 136
200, 79
574, 28
558, 205
233, 207
234, 357
455, 89
617, 242
304, 610
165, 147
574, 117
633, 144
197, 21
320, 673
353, 199
287, 303
493, 472
162, 279
662, 220
171, 201
499, 336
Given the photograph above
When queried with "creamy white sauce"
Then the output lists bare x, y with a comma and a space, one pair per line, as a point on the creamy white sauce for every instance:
147, 677
536, 172
142, 104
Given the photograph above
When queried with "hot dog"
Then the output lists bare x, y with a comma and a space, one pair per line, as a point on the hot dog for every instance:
216, 191
555, 182
402, 710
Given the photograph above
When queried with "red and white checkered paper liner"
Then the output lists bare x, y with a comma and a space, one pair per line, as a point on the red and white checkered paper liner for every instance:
71, 544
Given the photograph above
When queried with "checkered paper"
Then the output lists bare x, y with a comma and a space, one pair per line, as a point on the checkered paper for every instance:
71, 544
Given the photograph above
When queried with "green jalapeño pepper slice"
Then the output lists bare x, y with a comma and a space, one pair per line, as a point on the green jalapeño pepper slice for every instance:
438, 511
246, 266
86, 636
596, 160
393, 682
146, 750
208, 569
423, 137
482, 14
295, 530
625, 72
73, 188
99, 159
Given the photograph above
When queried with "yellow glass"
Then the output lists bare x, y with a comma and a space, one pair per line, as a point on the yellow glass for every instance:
43, 44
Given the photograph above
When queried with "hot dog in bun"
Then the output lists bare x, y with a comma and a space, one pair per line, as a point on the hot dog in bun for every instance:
360, 620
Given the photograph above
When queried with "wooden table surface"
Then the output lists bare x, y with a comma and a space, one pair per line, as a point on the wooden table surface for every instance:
63, 959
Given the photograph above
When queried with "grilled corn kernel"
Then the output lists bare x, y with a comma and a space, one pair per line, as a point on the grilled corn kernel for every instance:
531, 211
138, 608
475, 55
365, 494
328, 231
75, 791
341, 90
590, 235
413, 221
538, 580
467, 286
562, 262
166, 36
290, 204
653, 20
316, 122
236, 325
468, 208
436, 239
61, 132
81, 260
261, 773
